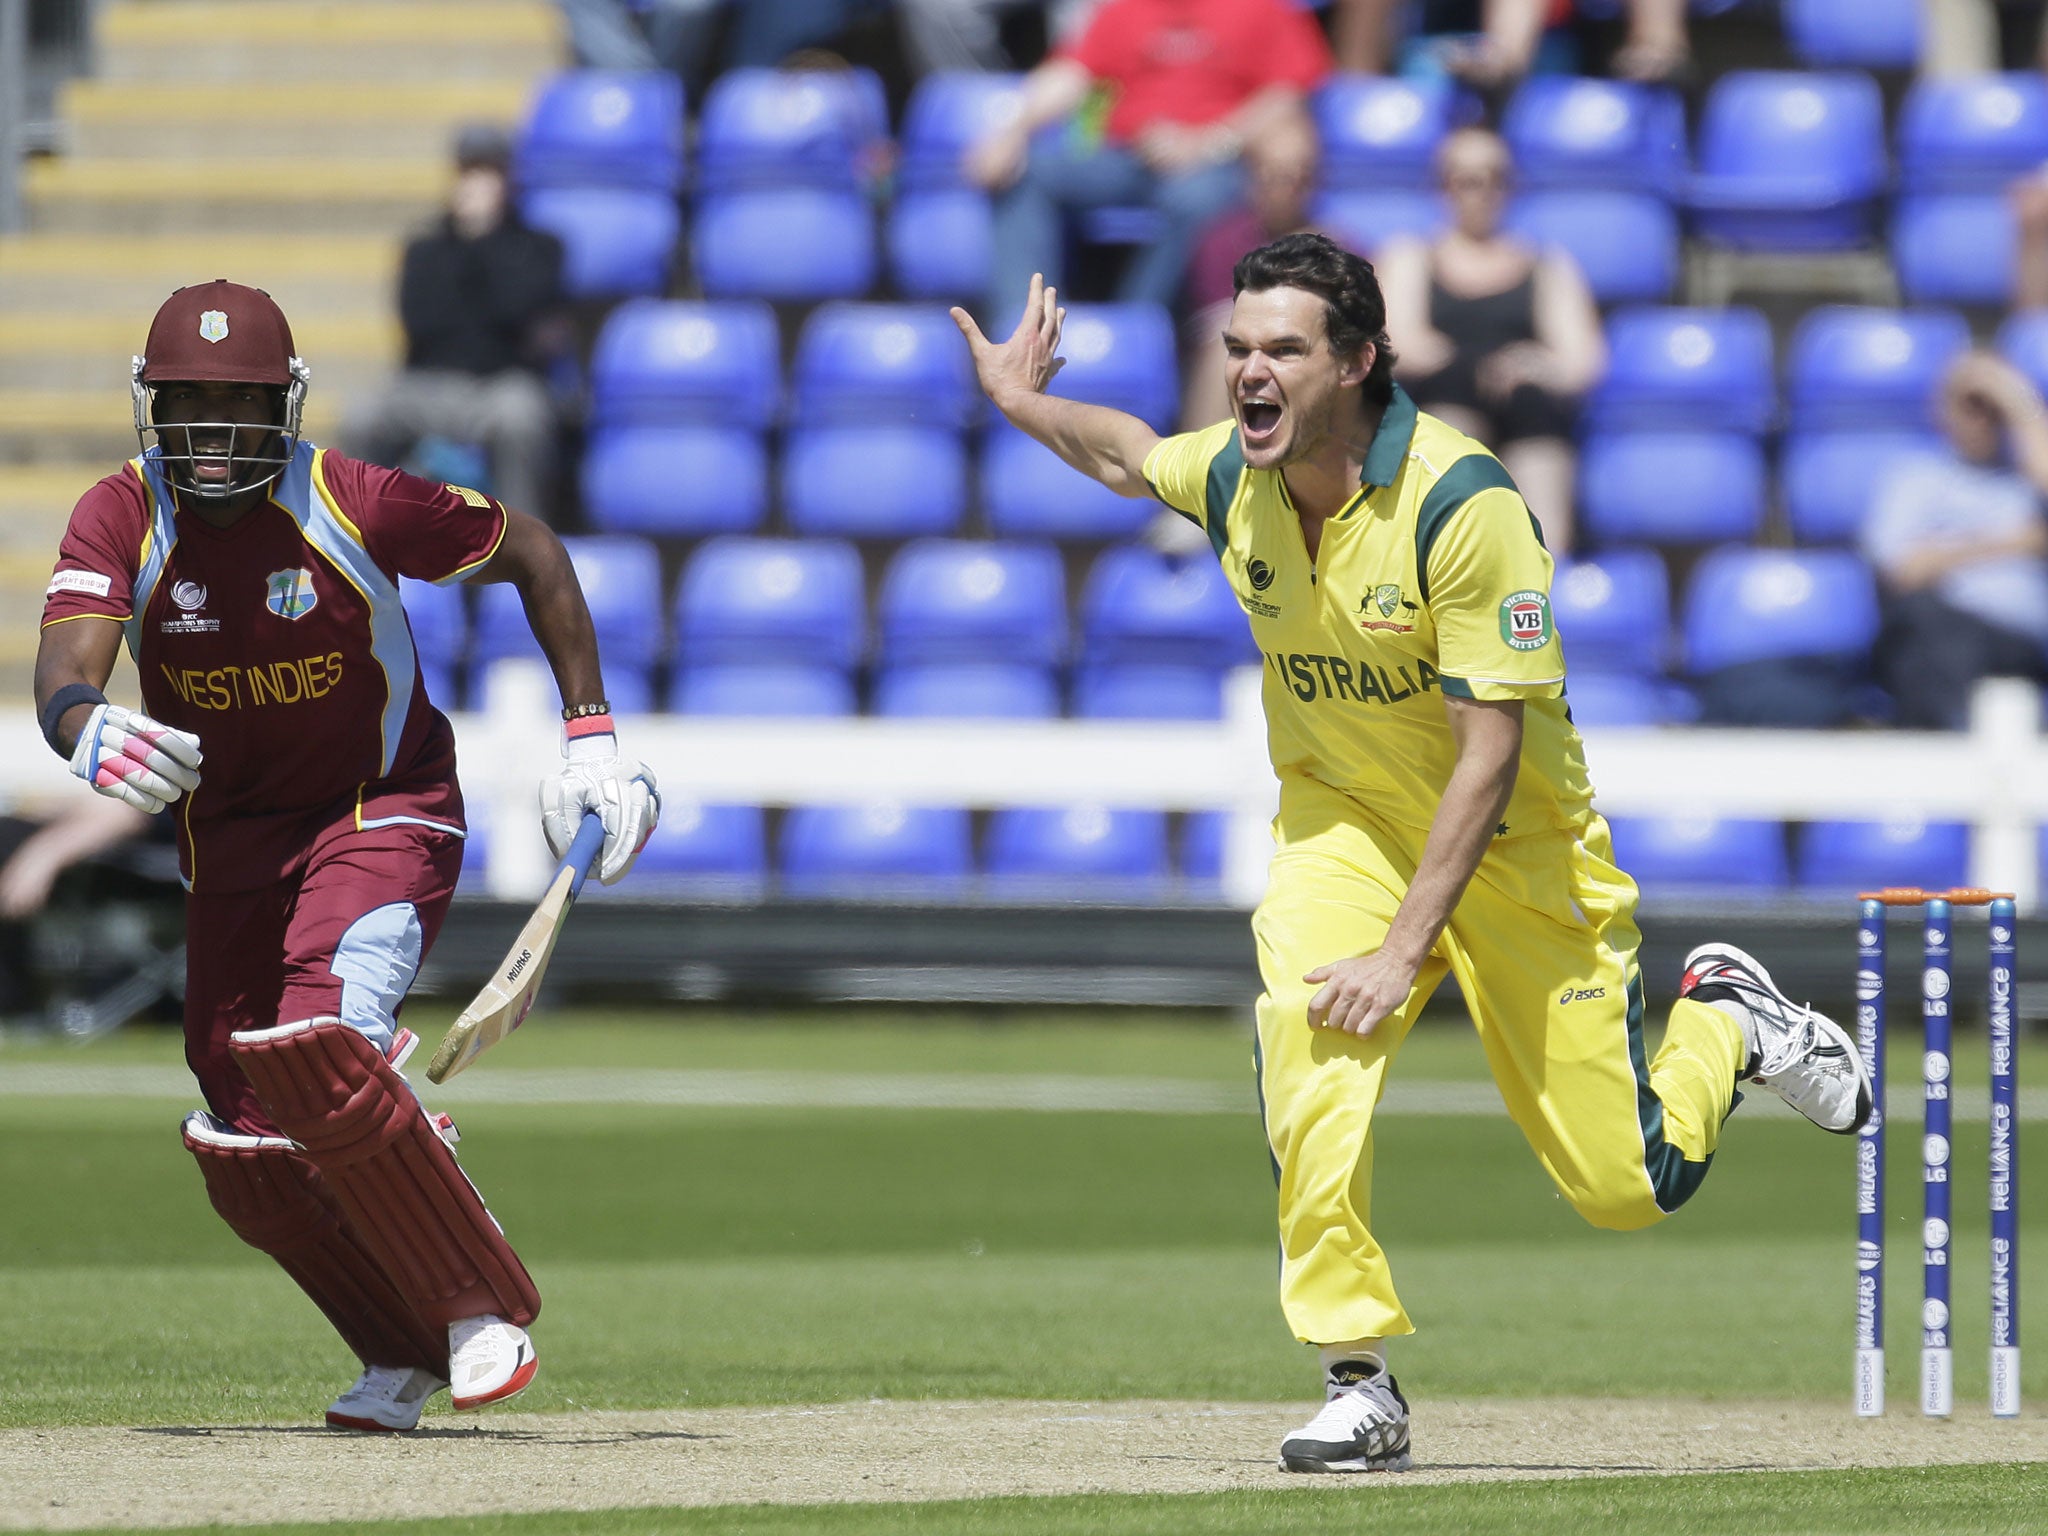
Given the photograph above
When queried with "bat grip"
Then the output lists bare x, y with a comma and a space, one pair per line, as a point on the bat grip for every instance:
583, 851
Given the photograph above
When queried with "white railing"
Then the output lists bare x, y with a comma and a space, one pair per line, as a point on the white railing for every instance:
1995, 776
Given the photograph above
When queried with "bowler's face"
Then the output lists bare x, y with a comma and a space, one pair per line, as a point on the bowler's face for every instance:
1283, 378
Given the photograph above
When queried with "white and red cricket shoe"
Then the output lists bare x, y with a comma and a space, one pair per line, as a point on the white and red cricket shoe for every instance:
489, 1360
386, 1400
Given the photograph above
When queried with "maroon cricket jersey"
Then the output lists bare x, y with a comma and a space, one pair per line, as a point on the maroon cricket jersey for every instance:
280, 642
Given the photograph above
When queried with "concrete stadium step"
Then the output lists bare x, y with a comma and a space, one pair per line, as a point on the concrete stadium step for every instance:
256, 195
48, 427
387, 40
36, 501
310, 275
60, 350
178, 119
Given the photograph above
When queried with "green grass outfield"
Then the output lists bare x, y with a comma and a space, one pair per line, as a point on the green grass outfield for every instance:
762, 1254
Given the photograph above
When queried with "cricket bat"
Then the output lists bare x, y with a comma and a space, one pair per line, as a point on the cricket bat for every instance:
507, 998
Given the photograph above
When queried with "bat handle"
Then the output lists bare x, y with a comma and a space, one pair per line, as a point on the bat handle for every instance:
583, 851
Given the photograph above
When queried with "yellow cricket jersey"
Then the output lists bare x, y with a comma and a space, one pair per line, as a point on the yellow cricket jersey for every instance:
1433, 579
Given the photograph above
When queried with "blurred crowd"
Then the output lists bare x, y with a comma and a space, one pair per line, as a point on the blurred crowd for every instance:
1196, 113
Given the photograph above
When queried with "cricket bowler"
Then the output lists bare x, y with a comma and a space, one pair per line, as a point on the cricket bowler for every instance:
1435, 812
285, 722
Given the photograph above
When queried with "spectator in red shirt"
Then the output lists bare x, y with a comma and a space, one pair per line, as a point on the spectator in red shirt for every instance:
1189, 83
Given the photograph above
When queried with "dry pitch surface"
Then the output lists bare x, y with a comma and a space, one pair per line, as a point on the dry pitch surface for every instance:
67, 1479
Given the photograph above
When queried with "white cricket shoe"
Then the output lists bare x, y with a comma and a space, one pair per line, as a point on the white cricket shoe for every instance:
386, 1400
1363, 1426
489, 1360
1800, 1054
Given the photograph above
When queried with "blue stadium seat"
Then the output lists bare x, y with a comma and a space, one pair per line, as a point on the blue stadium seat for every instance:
762, 688
1570, 131
875, 482
1754, 604
680, 396
1972, 133
1671, 487
2023, 342
789, 244
752, 601
1830, 480
860, 852
1202, 836
1625, 242
1613, 611
1871, 368
605, 128
985, 690
1076, 853
1706, 369
902, 364
1664, 852
683, 480
1148, 691
1871, 34
1140, 606
945, 600
948, 113
1869, 855
1366, 219
621, 580
1121, 355
1789, 161
941, 241
790, 128
672, 361
616, 241
711, 851
1379, 130
1613, 700
1955, 248
1030, 492
440, 635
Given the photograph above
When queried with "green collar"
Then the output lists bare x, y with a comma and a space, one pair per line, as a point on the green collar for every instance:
1390, 442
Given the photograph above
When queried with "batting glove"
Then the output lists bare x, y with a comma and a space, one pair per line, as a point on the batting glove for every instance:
129, 757
595, 778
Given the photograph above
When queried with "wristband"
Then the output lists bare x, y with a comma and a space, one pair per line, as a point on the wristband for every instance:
65, 699
585, 711
589, 725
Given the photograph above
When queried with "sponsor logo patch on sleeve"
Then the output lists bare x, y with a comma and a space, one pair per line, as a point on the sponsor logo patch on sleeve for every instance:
1525, 620
90, 582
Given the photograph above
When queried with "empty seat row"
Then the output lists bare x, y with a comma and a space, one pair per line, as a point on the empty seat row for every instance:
1094, 852
683, 395
767, 626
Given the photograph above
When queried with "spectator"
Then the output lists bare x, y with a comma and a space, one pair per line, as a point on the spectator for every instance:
1192, 82
478, 296
1959, 542
676, 35
1494, 337
33, 853
1280, 167
2030, 213
1490, 44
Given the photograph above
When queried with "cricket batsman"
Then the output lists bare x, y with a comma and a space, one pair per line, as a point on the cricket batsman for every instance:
285, 723
1435, 812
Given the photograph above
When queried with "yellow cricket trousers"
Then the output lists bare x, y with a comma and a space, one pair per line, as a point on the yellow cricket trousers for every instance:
1543, 945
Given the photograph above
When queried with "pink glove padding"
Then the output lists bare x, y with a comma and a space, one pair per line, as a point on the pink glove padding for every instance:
595, 778
129, 757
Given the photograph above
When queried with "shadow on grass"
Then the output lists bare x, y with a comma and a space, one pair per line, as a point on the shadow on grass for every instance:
424, 1432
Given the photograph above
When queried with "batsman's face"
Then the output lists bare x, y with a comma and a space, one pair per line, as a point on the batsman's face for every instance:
1285, 382
216, 416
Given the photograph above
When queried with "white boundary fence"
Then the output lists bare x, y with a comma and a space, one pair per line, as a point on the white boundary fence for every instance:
1994, 777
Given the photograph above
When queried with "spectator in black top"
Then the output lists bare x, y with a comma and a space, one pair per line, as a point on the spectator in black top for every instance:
477, 296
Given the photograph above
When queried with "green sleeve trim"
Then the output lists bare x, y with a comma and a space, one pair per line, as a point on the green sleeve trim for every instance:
1456, 687
1672, 1178
1457, 485
1225, 471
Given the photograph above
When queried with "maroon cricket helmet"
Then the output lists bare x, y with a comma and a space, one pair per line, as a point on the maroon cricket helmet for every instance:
219, 331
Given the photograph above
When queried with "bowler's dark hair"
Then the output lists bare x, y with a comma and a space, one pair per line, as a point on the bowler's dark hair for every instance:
1356, 309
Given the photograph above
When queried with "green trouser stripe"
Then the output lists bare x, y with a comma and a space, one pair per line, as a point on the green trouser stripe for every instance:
1225, 470
1259, 1087
1673, 1177
1457, 485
